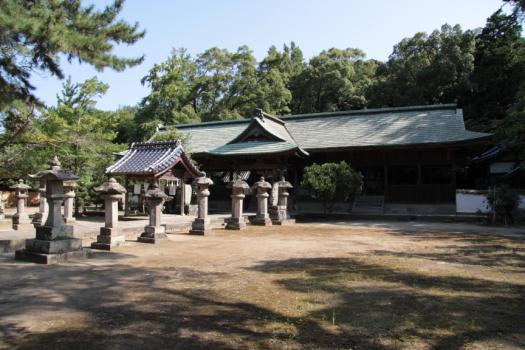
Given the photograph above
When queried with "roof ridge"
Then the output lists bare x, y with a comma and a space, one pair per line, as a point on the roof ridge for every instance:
365, 111
374, 111
156, 144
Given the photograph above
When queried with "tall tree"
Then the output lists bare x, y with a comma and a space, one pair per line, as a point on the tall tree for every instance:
426, 69
174, 96
334, 80
217, 85
499, 71
81, 135
275, 76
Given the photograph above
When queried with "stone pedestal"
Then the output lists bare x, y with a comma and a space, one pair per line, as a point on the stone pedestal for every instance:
261, 189
202, 224
154, 232
279, 214
40, 218
54, 240
69, 190
20, 219
237, 221
110, 235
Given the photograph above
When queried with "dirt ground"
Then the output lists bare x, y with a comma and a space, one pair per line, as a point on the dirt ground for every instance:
306, 286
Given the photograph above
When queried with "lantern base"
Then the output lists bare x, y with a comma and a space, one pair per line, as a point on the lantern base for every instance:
153, 234
21, 222
235, 223
50, 233
201, 227
42, 258
279, 216
49, 252
108, 238
283, 222
260, 220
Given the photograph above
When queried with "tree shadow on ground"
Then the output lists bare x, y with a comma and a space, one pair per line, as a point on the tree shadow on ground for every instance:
142, 308
346, 303
464, 248
400, 307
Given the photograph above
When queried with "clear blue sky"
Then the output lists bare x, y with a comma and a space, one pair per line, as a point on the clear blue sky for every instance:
373, 26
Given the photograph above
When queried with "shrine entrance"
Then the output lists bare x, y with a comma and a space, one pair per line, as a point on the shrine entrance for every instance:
373, 181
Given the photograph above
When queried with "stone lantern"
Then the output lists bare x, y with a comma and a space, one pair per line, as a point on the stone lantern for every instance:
40, 218
69, 191
54, 240
261, 189
110, 235
202, 223
239, 189
280, 215
154, 232
20, 219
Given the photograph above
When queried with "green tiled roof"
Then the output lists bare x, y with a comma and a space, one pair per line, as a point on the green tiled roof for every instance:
374, 127
253, 147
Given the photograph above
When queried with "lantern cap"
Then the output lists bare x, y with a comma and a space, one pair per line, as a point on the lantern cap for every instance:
110, 187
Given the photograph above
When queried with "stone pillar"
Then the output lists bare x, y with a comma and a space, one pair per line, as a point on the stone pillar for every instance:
182, 197
69, 189
154, 232
110, 236
236, 221
40, 218
20, 219
202, 224
280, 215
54, 240
261, 189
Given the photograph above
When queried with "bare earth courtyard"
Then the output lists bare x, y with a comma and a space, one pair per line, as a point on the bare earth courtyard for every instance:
306, 286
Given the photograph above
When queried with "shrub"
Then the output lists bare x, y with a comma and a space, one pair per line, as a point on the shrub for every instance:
330, 182
503, 202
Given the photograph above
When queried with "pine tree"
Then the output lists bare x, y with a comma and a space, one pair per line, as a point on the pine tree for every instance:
35, 34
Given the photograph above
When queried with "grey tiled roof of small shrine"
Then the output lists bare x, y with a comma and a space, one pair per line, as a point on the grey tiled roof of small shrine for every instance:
435, 124
148, 158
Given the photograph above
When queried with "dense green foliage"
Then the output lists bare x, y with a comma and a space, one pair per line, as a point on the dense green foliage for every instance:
331, 182
503, 202
79, 134
426, 69
499, 71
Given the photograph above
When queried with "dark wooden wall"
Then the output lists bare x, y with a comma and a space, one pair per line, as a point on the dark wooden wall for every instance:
361, 159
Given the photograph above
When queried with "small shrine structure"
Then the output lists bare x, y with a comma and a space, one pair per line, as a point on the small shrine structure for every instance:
152, 163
